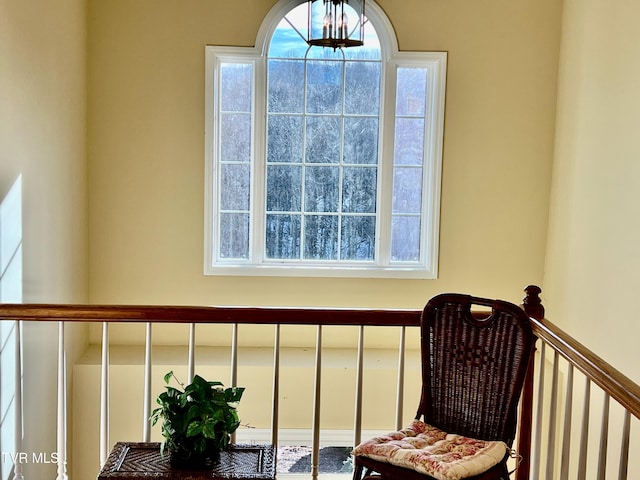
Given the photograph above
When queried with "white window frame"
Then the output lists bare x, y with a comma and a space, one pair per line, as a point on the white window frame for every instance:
392, 59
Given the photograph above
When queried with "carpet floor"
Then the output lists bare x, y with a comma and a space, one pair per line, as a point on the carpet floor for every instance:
293, 459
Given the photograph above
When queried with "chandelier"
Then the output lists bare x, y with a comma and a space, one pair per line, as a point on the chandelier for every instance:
336, 23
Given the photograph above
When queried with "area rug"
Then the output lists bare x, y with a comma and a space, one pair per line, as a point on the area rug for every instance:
294, 459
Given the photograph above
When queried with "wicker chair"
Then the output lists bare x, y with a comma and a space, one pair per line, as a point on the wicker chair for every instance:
473, 370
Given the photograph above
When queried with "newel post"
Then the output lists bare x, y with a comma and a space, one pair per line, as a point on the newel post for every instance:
531, 302
532, 305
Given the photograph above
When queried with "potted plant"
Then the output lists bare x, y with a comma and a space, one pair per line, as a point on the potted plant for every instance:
198, 420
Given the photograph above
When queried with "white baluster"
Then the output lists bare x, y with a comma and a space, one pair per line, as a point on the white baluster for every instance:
62, 407
357, 424
146, 408
584, 433
234, 365
17, 469
192, 352
400, 391
104, 396
276, 387
624, 449
566, 436
604, 438
553, 410
234, 356
315, 448
535, 460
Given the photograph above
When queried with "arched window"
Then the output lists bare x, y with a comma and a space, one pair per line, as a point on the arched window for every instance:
323, 162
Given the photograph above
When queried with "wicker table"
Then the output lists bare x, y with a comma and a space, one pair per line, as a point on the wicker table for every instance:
132, 461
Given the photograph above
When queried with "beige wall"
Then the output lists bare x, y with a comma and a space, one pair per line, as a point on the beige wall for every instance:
146, 150
592, 269
42, 138
593, 266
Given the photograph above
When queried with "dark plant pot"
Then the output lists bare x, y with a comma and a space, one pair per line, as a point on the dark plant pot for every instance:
185, 459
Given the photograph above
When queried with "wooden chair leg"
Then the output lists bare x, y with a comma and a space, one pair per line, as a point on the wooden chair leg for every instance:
357, 472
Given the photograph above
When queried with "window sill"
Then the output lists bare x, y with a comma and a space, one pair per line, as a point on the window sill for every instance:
288, 270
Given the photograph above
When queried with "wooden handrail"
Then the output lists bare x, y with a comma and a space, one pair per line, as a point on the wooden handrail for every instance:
613, 382
213, 314
620, 387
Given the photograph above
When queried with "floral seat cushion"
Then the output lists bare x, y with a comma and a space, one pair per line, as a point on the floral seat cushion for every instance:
431, 451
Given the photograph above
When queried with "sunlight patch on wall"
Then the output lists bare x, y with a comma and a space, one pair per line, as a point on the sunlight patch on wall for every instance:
10, 292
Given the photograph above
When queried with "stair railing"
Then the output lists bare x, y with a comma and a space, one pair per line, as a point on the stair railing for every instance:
545, 430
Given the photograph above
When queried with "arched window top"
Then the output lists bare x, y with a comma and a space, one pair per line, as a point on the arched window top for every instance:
281, 33
323, 162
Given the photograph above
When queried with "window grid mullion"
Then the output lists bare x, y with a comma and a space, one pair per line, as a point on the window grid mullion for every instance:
340, 213
305, 116
386, 132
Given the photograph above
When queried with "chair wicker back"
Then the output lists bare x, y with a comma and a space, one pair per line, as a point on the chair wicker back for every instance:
473, 369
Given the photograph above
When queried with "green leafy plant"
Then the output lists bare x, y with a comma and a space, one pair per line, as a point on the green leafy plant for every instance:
198, 420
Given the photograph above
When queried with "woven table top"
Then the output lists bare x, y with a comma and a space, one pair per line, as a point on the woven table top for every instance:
132, 461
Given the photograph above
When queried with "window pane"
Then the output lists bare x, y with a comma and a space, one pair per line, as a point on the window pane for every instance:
235, 137
407, 190
361, 140
284, 139
235, 88
324, 87
358, 238
286, 42
362, 87
234, 235
327, 54
321, 189
409, 152
371, 48
409, 141
411, 92
234, 187
359, 190
321, 237
284, 186
283, 237
284, 92
323, 140
405, 238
